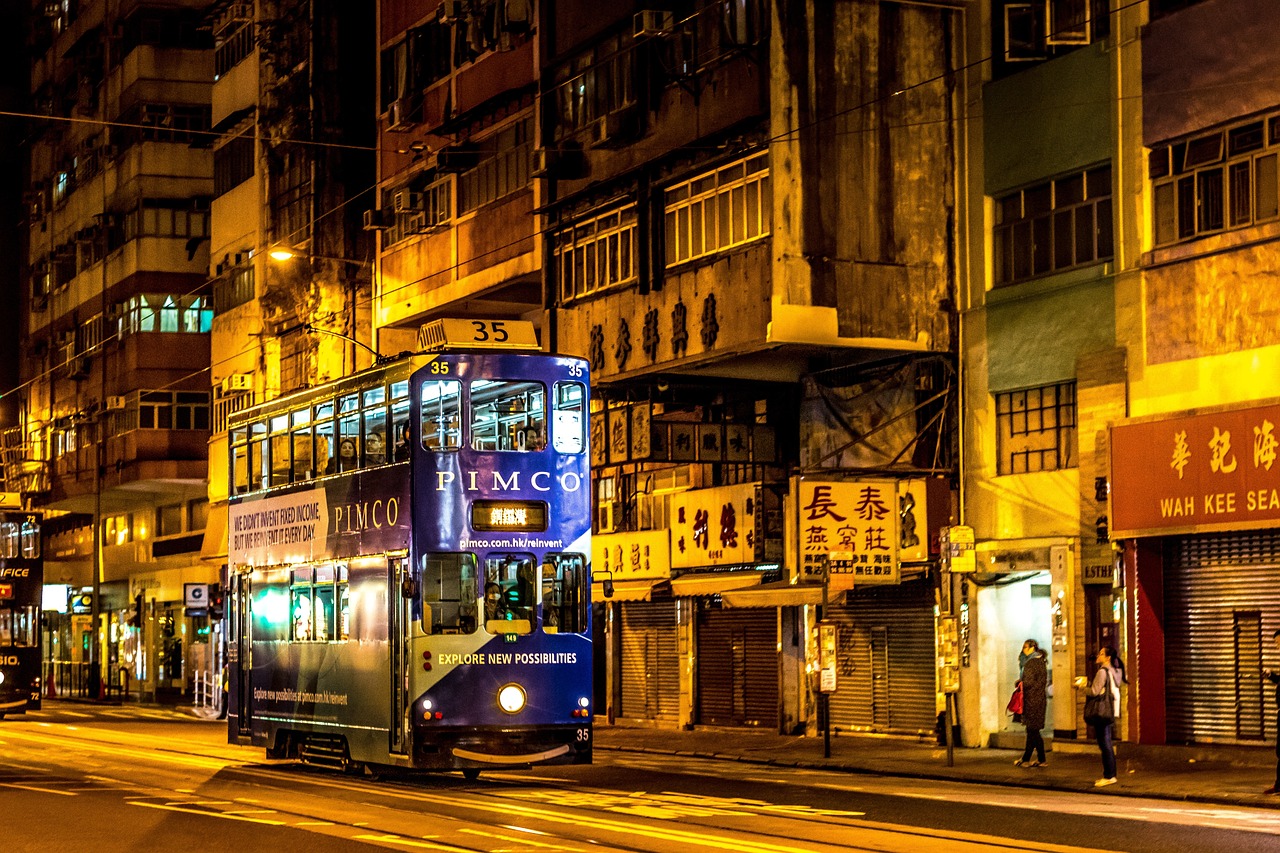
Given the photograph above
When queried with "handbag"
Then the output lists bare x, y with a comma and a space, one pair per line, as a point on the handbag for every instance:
1015, 701
1100, 710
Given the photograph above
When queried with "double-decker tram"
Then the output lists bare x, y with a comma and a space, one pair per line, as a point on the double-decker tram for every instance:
21, 585
408, 561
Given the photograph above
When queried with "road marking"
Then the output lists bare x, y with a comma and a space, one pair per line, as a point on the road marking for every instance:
36, 789
524, 841
223, 815
406, 842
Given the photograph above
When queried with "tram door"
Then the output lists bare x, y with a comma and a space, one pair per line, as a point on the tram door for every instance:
398, 622
240, 651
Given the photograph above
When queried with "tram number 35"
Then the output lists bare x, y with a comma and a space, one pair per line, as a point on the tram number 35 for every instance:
490, 330
584, 735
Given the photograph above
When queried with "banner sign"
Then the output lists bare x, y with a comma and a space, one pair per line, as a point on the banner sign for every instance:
1216, 471
714, 527
642, 555
851, 528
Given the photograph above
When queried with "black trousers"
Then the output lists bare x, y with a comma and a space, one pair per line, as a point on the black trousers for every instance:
1035, 742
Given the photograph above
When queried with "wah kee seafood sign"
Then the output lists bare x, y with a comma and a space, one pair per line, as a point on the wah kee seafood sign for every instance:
1216, 471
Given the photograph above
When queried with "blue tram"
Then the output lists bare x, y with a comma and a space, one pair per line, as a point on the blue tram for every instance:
21, 585
408, 556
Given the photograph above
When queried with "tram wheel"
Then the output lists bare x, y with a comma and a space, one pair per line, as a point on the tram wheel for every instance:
471, 774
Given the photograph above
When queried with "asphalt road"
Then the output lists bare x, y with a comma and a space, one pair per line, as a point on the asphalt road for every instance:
77, 778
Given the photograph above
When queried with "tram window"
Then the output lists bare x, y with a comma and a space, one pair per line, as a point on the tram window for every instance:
399, 437
449, 593
257, 463
18, 626
30, 540
512, 577
301, 418
280, 462
322, 620
325, 459
569, 417
301, 609
344, 603
441, 415
302, 469
508, 415
348, 442
375, 436
564, 604
10, 538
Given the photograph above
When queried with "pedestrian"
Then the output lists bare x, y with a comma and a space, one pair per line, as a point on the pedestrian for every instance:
1106, 683
1274, 678
1035, 699
226, 690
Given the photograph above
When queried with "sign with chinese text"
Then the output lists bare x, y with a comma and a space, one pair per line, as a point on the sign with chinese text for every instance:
851, 528
714, 527
1216, 471
957, 544
642, 555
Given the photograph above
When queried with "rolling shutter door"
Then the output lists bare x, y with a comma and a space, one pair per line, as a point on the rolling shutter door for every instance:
738, 667
885, 660
650, 661
1222, 603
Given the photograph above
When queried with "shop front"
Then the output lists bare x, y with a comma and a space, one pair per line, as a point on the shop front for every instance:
1196, 497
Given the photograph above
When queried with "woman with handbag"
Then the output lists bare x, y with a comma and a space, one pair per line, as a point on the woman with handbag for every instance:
1035, 687
1102, 707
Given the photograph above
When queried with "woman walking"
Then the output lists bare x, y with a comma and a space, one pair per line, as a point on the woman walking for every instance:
1035, 692
1107, 680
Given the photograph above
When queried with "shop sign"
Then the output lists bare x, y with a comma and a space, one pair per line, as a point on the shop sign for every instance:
957, 544
1098, 565
849, 531
641, 555
1216, 471
714, 527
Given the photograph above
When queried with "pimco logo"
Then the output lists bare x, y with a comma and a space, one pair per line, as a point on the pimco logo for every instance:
353, 518
539, 481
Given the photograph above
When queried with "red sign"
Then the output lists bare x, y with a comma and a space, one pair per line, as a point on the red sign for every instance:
1217, 471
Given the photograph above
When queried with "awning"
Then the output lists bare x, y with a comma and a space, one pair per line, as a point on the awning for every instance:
214, 546
636, 590
712, 583
779, 594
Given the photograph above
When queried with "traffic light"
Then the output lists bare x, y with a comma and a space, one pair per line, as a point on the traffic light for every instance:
134, 619
217, 601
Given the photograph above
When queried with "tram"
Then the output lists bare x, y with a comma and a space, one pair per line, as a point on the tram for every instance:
409, 561
21, 585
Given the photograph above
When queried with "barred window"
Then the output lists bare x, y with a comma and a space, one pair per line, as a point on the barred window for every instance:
231, 45
502, 170
1036, 429
597, 253
232, 164
233, 288
1056, 225
726, 207
166, 312
1216, 182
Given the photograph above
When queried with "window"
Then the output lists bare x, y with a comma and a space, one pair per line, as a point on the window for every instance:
449, 595
233, 164
413, 64
19, 626
319, 604
418, 212
162, 217
509, 593
233, 288
1036, 429
502, 170
508, 415
233, 41
182, 123
597, 253
1216, 181
595, 84
183, 410
442, 415
726, 207
569, 418
564, 598
1035, 30
291, 189
10, 540
374, 449
1056, 225
117, 529
169, 520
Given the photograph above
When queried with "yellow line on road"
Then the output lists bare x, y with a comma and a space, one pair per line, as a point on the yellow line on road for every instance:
36, 789
201, 812
518, 840
404, 842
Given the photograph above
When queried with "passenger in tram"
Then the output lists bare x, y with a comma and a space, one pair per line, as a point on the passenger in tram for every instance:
403, 442
493, 608
375, 449
346, 458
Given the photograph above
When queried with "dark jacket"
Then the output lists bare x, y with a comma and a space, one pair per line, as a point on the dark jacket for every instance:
1035, 683
1274, 678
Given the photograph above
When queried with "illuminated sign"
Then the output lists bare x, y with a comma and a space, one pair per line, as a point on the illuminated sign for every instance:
849, 530
477, 334
6, 591
509, 515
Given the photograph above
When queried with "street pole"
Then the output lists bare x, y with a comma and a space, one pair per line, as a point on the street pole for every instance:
824, 707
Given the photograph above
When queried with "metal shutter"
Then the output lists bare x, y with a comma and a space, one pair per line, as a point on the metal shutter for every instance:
738, 667
885, 658
1222, 603
650, 661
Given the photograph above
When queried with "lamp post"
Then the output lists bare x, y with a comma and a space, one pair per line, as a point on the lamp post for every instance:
283, 253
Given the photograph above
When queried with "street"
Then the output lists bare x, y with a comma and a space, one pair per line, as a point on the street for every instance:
77, 777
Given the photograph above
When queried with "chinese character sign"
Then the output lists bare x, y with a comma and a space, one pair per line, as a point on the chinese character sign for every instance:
642, 555
851, 527
714, 527
1215, 471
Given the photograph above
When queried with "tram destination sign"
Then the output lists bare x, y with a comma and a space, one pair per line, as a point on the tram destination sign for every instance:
1207, 471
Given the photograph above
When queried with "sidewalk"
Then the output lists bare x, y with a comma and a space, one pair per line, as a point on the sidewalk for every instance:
1228, 775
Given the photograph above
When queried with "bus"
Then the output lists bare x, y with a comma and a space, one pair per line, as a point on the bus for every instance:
21, 586
409, 561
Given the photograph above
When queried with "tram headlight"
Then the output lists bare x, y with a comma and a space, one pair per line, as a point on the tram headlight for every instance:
511, 698
1, 678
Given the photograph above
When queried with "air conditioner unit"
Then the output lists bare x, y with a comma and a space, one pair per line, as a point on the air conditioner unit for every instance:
400, 117
608, 517
372, 220
116, 403
404, 201
652, 22
236, 382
